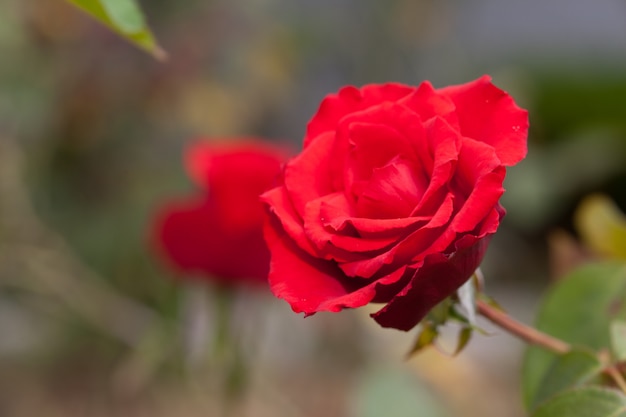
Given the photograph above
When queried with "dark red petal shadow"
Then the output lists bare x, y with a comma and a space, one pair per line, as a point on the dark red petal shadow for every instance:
438, 278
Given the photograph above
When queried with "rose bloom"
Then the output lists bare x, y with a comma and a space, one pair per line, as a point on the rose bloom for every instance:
218, 233
394, 197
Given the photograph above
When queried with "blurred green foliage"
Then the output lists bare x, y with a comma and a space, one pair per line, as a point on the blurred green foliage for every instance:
566, 103
580, 310
587, 402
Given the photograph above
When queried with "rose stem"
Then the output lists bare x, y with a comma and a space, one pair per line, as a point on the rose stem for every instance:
524, 332
612, 370
536, 337
617, 377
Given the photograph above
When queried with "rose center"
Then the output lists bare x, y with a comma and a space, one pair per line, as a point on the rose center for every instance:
392, 191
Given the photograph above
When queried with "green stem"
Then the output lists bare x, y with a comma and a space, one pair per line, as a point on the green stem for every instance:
227, 354
223, 310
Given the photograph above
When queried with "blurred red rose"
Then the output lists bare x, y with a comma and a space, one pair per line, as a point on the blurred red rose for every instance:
217, 234
393, 198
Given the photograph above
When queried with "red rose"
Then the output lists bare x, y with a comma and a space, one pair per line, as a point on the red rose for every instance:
219, 232
393, 198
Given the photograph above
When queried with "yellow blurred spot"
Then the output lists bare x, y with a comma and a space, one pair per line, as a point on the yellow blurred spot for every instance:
602, 226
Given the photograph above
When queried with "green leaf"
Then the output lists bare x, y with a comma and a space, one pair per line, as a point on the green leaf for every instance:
125, 18
602, 226
584, 402
455, 315
465, 334
125, 14
618, 339
578, 309
427, 336
566, 371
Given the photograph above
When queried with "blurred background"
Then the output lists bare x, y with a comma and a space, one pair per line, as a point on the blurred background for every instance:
91, 133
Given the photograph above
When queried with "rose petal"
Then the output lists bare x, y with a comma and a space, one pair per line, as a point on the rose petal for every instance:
245, 162
349, 100
386, 290
336, 246
280, 206
490, 224
307, 283
370, 139
191, 235
393, 191
372, 146
235, 173
490, 115
429, 103
445, 143
429, 238
479, 173
336, 215
437, 278
307, 176
373, 228
476, 159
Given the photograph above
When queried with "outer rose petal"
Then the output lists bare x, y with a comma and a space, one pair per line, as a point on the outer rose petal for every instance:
429, 103
437, 278
490, 115
193, 238
307, 176
235, 174
481, 176
490, 225
307, 283
280, 206
349, 100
